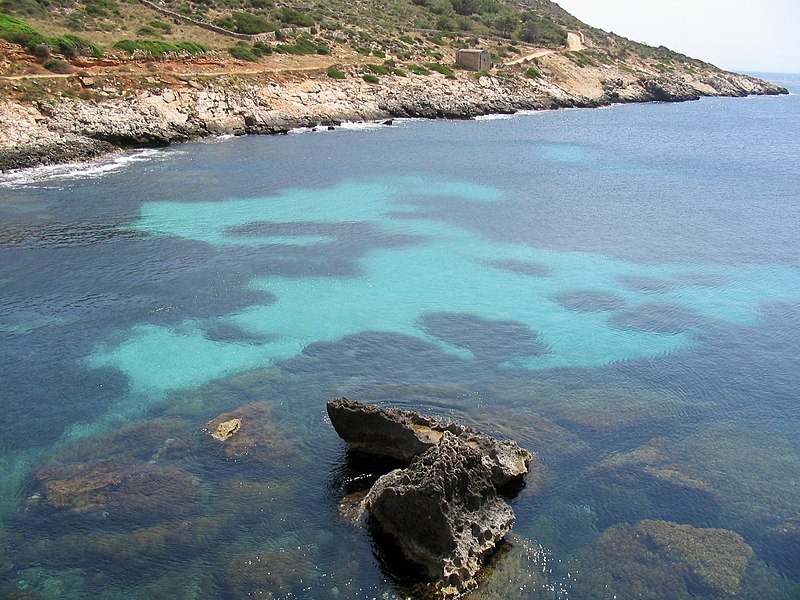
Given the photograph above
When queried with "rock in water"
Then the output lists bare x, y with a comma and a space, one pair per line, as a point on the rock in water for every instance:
404, 435
443, 511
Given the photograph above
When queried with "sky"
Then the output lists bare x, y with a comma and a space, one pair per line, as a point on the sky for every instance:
739, 35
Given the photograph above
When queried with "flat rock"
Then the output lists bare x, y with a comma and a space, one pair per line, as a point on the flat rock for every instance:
404, 435
443, 511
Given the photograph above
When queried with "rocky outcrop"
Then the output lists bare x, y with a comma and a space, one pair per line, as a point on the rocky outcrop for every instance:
443, 511
404, 435
167, 111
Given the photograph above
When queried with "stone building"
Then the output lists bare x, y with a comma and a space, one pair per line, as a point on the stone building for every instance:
474, 60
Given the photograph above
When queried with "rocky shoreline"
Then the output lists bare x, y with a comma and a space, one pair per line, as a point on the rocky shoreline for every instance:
169, 110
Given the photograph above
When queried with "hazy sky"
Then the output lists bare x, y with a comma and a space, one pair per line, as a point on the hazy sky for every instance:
733, 34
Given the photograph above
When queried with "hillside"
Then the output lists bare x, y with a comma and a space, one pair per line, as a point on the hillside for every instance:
100, 74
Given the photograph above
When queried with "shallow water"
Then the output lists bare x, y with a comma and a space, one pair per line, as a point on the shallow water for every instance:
617, 289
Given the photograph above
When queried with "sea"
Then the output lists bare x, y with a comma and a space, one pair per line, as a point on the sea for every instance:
617, 289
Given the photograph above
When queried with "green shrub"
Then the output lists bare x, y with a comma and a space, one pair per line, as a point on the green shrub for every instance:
13, 25
56, 65
440, 68
364, 51
165, 27
378, 69
159, 48
304, 44
262, 49
146, 31
533, 73
379, 53
19, 32
248, 23
370, 78
416, 69
480, 74
290, 16
335, 73
242, 52
73, 45
399, 72
581, 59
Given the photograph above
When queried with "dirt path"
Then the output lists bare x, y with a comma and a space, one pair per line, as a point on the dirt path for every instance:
531, 56
574, 42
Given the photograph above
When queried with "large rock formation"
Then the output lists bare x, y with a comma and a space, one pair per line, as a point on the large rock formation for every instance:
403, 435
443, 511
62, 129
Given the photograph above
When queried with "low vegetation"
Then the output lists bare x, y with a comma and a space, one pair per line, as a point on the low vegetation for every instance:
69, 45
160, 48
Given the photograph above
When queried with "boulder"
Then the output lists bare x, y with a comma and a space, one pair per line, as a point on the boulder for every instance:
404, 435
443, 511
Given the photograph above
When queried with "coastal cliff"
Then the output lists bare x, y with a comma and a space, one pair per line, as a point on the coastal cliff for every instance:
123, 100
71, 129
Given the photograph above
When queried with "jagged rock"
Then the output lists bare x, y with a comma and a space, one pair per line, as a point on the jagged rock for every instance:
226, 429
443, 511
404, 435
669, 89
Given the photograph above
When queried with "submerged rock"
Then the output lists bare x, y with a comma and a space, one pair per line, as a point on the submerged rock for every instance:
282, 573
119, 488
403, 435
515, 572
652, 480
443, 511
661, 559
248, 432
783, 547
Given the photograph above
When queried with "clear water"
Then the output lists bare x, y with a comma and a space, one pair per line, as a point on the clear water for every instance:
594, 283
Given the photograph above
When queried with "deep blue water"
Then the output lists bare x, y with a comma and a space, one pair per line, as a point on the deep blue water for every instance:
617, 288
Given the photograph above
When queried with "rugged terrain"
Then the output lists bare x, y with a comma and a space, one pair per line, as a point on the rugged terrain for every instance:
130, 78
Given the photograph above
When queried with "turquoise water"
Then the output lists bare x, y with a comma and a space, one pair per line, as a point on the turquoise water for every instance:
616, 288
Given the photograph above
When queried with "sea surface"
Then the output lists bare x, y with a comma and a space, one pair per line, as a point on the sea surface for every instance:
617, 289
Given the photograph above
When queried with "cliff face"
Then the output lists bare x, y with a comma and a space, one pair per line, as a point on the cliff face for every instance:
67, 129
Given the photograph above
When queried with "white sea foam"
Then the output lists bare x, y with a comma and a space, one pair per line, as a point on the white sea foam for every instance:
494, 117
54, 176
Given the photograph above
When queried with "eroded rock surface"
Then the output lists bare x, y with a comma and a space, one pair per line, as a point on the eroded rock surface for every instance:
403, 435
443, 511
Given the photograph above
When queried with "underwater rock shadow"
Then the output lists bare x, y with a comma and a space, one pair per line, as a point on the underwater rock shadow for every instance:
489, 341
